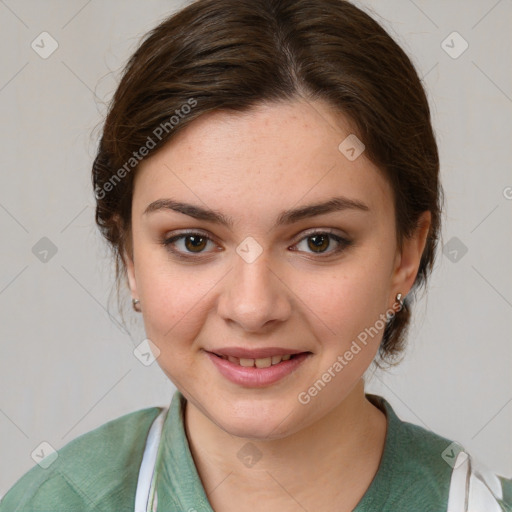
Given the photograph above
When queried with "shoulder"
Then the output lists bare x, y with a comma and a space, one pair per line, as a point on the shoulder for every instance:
416, 449
427, 471
95, 471
415, 469
424, 463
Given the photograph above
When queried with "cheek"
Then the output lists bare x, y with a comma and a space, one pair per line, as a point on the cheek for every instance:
174, 298
346, 301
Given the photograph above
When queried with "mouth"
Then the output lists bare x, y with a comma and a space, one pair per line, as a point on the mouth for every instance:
264, 362
258, 372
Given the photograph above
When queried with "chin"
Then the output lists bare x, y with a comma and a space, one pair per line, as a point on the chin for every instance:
257, 421
248, 428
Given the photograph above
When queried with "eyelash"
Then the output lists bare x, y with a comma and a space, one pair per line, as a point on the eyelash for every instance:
343, 243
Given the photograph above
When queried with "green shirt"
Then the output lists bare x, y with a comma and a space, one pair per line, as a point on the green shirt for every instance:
98, 471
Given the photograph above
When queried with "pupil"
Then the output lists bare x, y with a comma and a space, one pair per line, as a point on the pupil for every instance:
320, 242
196, 243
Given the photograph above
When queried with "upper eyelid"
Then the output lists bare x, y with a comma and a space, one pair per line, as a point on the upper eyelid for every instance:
312, 231
189, 232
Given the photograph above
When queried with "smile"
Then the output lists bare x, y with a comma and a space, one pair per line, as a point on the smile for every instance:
264, 362
257, 372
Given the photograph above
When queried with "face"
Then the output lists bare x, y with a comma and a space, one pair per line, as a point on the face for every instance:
254, 237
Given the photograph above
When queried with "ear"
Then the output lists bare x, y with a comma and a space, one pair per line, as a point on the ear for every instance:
408, 258
130, 273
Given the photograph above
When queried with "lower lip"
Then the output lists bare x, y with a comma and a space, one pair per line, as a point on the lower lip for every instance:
256, 377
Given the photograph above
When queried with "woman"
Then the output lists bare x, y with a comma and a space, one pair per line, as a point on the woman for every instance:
268, 179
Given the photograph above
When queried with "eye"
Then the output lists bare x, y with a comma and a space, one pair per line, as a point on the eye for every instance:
319, 242
189, 243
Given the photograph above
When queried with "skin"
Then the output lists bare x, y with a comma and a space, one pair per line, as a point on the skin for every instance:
250, 167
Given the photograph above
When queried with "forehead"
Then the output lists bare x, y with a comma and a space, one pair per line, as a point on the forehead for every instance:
278, 154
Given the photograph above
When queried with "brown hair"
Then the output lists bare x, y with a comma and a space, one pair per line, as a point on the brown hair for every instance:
235, 54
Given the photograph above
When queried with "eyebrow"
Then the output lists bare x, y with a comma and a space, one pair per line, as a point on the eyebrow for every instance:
334, 204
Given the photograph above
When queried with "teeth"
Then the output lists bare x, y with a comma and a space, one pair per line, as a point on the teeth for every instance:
264, 362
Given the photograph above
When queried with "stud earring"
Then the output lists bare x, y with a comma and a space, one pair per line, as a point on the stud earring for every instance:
136, 305
400, 300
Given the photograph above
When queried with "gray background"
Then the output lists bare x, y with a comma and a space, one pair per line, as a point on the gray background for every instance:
67, 365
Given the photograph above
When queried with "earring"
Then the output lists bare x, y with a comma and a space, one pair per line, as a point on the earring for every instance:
136, 305
400, 300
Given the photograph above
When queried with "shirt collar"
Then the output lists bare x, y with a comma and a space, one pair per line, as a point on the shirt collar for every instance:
178, 483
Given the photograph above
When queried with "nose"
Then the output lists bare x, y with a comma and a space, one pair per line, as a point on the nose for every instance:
254, 296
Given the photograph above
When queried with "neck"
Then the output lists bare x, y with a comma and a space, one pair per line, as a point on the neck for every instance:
346, 444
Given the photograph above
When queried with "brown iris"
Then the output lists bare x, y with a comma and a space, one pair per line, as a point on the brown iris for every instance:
195, 243
318, 243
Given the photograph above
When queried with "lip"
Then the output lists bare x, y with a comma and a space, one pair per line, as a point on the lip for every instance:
254, 377
254, 353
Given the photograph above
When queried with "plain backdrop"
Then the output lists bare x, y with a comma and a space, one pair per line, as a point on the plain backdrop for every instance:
67, 363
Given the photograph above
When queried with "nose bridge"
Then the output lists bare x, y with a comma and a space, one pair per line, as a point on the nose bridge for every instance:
253, 295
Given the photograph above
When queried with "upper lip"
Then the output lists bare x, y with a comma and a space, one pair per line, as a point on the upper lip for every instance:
254, 353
